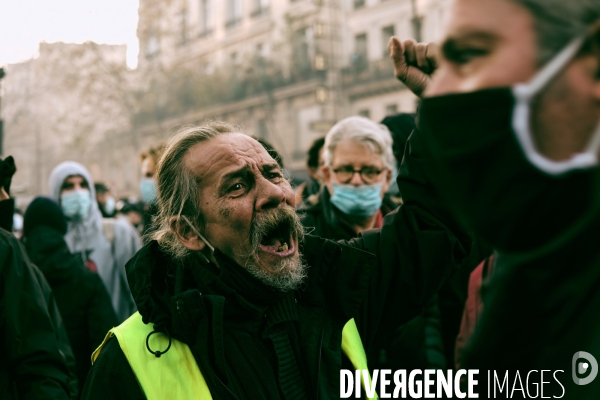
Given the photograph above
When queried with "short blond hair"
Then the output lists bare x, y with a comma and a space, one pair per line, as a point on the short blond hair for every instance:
154, 153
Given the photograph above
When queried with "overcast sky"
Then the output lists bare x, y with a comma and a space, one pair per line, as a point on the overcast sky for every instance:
25, 23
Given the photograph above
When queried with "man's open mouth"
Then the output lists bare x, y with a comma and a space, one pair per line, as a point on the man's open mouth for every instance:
278, 240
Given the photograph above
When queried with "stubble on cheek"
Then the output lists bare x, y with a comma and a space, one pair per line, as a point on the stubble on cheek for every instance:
237, 241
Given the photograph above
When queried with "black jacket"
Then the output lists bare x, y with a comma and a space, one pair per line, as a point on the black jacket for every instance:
33, 364
81, 297
542, 307
251, 343
7, 209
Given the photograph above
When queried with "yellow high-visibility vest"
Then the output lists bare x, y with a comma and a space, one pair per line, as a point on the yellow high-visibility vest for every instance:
176, 375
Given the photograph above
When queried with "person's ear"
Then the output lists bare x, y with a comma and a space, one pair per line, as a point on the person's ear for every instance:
186, 235
387, 181
388, 175
326, 173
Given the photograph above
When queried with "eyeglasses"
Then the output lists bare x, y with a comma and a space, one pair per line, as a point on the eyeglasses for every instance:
367, 174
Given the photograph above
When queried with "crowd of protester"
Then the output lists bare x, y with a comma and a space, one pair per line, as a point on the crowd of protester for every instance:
224, 281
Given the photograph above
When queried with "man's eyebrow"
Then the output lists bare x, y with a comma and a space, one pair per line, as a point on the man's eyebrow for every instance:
270, 167
228, 177
453, 41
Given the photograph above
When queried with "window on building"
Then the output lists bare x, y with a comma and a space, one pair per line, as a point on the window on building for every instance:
260, 7
206, 17
302, 50
360, 45
359, 58
391, 109
182, 25
234, 12
359, 4
365, 113
386, 33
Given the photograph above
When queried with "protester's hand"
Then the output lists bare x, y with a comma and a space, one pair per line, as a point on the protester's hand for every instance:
7, 170
413, 63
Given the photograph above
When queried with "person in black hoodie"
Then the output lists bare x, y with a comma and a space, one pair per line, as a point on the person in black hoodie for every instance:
80, 294
40, 366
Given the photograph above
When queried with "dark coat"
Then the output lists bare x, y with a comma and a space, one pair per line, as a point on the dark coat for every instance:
33, 363
381, 279
81, 297
7, 209
540, 308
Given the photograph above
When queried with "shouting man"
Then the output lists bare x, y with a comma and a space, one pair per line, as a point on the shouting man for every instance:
236, 302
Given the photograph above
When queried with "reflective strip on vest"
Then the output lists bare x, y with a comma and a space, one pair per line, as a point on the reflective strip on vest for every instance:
175, 375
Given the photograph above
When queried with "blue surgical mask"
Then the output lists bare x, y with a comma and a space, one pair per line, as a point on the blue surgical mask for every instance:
148, 190
357, 201
109, 206
76, 204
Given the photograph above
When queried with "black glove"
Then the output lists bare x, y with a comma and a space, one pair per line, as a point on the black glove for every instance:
7, 170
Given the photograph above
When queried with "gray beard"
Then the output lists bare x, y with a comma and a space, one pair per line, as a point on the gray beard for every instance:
289, 275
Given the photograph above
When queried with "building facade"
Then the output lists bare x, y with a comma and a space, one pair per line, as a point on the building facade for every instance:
285, 70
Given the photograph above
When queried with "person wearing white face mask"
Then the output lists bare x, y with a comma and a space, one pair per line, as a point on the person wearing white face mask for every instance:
105, 245
357, 171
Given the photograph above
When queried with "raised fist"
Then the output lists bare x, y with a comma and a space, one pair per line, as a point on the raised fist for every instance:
413, 63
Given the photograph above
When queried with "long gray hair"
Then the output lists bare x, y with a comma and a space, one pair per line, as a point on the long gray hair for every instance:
178, 188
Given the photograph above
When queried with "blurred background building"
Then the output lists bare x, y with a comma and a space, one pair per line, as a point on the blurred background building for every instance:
286, 70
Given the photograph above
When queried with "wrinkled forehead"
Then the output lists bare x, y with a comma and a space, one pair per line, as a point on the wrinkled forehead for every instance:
229, 151
493, 17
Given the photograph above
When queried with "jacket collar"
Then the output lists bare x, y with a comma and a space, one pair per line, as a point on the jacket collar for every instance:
152, 276
337, 274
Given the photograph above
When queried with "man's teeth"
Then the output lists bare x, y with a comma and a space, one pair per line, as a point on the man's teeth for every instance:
283, 247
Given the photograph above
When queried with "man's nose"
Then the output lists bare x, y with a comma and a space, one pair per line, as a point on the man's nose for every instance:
269, 195
356, 179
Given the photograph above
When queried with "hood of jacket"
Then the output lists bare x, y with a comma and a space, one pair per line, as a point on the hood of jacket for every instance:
48, 250
81, 235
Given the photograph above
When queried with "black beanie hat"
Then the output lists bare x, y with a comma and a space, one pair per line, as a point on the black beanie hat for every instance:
46, 212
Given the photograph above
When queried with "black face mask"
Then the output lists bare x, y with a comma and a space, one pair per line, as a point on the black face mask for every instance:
485, 164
